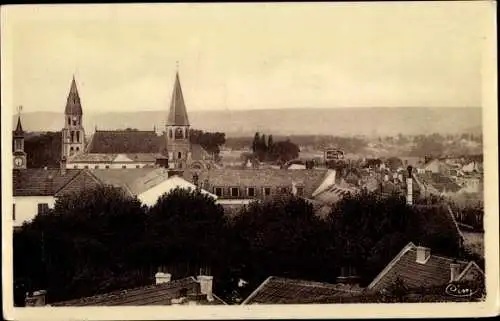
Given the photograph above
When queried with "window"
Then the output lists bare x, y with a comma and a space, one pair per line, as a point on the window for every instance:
74, 122
72, 136
75, 167
107, 166
235, 191
78, 136
13, 212
96, 166
71, 150
218, 191
251, 192
86, 166
124, 166
300, 191
77, 149
284, 190
179, 155
179, 133
170, 133
43, 208
137, 166
69, 120
267, 191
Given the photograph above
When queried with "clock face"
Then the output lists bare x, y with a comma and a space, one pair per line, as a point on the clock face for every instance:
18, 161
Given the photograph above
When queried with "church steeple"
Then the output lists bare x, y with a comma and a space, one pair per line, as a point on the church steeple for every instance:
177, 115
178, 143
73, 134
73, 105
19, 156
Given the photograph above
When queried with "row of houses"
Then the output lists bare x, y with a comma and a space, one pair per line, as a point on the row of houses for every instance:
414, 266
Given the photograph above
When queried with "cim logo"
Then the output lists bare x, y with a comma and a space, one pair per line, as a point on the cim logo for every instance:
457, 290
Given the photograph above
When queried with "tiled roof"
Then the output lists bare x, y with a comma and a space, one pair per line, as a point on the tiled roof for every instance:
83, 181
435, 271
126, 142
177, 114
73, 105
309, 179
132, 180
440, 182
332, 194
160, 294
276, 290
91, 158
41, 182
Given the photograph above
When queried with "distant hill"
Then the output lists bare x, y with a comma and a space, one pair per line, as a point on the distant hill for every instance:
377, 121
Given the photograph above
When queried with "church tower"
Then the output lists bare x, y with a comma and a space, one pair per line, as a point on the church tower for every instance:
73, 134
178, 144
19, 156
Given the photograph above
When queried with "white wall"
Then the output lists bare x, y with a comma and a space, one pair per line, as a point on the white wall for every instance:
150, 196
27, 207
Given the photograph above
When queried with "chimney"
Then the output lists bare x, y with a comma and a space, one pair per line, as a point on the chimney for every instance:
195, 181
36, 299
423, 254
206, 282
161, 277
409, 187
63, 165
454, 271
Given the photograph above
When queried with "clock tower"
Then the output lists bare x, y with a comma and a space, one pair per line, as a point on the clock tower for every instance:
19, 156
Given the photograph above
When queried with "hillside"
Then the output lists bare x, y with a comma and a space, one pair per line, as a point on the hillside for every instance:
301, 121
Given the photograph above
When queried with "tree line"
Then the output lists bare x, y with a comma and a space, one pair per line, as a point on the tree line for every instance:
266, 149
102, 240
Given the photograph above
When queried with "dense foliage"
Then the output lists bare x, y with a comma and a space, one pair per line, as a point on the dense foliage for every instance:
43, 150
211, 142
103, 240
268, 150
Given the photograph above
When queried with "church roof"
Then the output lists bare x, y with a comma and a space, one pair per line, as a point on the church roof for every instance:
19, 128
73, 105
126, 142
177, 114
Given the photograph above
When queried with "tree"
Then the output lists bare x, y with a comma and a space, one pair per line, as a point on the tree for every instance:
256, 142
270, 142
82, 246
186, 228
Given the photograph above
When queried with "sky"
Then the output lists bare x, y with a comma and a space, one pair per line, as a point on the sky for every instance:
246, 56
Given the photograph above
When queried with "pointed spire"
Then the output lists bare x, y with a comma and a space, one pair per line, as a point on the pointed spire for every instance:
73, 106
19, 132
177, 115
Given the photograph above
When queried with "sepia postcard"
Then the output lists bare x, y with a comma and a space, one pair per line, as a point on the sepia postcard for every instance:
267, 160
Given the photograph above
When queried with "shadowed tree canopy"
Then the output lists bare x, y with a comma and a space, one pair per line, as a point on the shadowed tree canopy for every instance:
211, 142
82, 244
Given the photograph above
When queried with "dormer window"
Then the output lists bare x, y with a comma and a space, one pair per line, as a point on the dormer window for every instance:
251, 192
179, 133
266, 191
300, 191
218, 191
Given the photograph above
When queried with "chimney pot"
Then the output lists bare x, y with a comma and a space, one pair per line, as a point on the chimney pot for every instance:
206, 282
454, 271
423, 254
162, 277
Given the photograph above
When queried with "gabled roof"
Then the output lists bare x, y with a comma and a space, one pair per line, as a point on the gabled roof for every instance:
275, 290
157, 294
435, 271
177, 114
132, 180
19, 132
440, 182
126, 142
41, 182
73, 104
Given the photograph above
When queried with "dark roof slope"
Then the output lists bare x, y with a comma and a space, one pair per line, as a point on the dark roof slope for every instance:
41, 182
436, 271
440, 182
126, 142
177, 114
160, 294
276, 290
